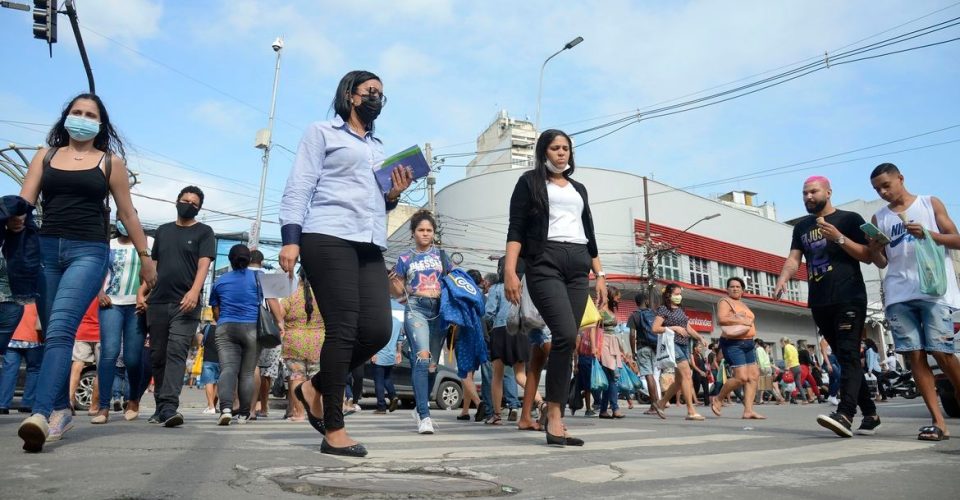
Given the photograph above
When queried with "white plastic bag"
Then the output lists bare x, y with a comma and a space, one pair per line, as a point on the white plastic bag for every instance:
524, 317
666, 354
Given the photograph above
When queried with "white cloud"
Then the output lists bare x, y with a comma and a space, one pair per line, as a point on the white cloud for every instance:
126, 21
402, 62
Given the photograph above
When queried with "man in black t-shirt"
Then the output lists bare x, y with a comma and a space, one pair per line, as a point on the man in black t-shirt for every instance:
833, 246
183, 251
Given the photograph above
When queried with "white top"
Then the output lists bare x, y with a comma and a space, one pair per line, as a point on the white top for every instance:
123, 273
566, 210
902, 281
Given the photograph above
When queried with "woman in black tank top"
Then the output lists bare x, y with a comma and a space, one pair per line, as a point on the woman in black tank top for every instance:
73, 180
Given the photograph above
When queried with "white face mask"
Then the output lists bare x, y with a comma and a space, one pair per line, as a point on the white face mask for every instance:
555, 169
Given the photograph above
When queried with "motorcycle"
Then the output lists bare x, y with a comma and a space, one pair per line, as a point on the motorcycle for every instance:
902, 384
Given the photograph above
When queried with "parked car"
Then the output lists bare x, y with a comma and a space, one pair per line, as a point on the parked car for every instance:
84, 393
447, 390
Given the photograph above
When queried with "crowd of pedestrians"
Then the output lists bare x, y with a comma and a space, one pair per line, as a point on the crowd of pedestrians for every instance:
136, 302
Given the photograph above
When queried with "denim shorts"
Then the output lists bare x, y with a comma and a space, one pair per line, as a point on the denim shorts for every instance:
682, 352
540, 336
921, 325
645, 357
738, 353
210, 373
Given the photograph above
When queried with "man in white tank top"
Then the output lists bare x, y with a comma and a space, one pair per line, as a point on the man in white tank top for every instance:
921, 323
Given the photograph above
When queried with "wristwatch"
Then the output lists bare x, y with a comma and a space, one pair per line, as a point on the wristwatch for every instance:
601, 274
143, 253
841, 240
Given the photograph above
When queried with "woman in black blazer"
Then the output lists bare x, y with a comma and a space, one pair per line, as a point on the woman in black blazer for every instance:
551, 228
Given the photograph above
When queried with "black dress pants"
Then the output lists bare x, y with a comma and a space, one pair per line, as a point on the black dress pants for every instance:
349, 280
558, 287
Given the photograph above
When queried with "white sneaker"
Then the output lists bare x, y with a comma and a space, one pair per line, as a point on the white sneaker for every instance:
425, 426
416, 417
225, 418
834, 401
356, 408
241, 419
209, 411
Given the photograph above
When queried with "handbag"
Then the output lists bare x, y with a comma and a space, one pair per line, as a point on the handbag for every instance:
268, 333
574, 397
591, 315
598, 379
734, 330
930, 261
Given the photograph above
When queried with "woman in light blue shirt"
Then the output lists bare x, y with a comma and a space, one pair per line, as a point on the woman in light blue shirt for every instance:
333, 215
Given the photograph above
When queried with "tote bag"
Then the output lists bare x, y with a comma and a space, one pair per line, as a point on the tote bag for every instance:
268, 333
591, 315
930, 260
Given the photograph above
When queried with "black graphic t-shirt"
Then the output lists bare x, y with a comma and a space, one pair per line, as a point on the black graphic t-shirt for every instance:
833, 276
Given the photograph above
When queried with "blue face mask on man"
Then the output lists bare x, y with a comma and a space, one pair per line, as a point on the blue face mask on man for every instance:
121, 229
81, 129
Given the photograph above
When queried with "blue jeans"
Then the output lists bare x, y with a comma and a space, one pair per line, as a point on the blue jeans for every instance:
383, 385
11, 369
510, 396
116, 323
73, 273
834, 376
609, 396
921, 325
10, 314
421, 322
737, 352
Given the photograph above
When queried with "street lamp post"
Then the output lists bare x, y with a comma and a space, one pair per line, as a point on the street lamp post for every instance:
264, 141
571, 44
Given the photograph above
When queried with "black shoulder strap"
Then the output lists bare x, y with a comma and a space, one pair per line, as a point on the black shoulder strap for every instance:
49, 156
445, 262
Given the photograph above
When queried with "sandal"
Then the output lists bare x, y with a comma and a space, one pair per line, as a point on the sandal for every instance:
493, 420
696, 416
535, 427
932, 433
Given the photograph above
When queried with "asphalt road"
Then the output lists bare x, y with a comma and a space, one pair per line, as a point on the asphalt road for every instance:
785, 457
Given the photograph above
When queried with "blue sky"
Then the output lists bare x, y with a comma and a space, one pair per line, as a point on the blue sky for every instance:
188, 84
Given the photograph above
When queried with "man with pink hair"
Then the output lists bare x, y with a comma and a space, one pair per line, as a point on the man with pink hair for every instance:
833, 246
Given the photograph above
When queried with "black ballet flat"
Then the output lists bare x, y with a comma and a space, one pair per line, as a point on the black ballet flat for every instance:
315, 422
357, 450
562, 441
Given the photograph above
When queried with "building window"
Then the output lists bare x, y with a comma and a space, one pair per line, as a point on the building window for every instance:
771, 285
699, 271
726, 272
753, 281
668, 267
793, 290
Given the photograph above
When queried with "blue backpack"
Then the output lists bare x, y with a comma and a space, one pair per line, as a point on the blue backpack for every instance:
643, 318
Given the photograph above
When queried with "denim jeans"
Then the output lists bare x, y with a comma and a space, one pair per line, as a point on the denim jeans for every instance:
73, 273
116, 323
421, 322
609, 396
10, 314
510, 396
237, 346
383, 385
11, 369
834, 376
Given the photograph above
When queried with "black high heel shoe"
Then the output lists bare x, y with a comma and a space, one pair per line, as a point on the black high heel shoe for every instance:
315, 422
563, 440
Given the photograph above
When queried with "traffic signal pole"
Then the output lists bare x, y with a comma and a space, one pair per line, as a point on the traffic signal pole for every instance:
75, 24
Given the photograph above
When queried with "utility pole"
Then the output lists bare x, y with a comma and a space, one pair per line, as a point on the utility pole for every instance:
264, 141
648, 250
431, 180
75, 24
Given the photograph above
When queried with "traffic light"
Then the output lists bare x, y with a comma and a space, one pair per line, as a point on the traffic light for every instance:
45, 20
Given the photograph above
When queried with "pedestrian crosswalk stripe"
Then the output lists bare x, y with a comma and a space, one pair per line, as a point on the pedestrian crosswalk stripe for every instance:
677, 467
409, 434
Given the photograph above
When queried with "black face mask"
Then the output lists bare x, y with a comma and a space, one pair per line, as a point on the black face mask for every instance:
369, 109
186, 210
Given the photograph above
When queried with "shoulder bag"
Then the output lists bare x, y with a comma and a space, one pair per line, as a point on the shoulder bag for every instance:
733, 330
268, 333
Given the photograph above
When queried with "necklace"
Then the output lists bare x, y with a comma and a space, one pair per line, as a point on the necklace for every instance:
77, 156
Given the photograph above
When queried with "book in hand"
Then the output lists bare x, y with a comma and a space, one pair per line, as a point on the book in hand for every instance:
875, 233
411, 158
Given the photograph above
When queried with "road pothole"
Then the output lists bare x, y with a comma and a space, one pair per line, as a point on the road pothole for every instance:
383, 482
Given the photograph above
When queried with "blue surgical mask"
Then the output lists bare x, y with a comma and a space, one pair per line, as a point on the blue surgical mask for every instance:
121, 228
81, 129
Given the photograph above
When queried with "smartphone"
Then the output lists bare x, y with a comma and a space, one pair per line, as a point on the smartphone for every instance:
874, 233
779, 294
